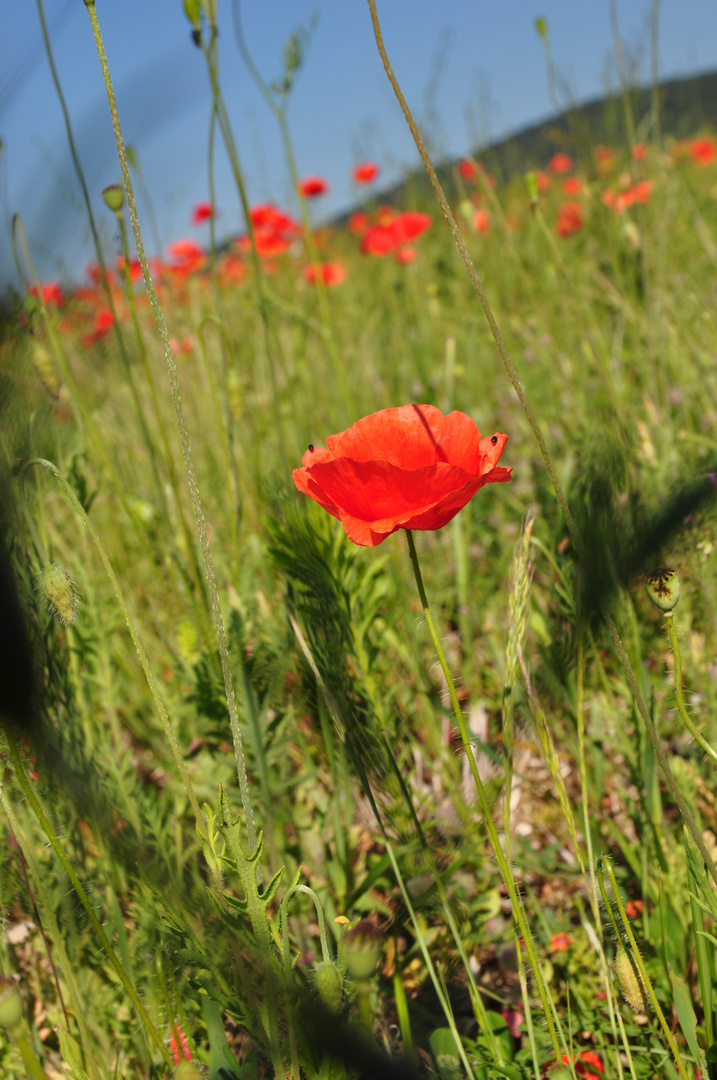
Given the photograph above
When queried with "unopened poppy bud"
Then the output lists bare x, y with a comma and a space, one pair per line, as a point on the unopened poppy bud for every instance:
193, 11
11, 1010
330, 985
630, 980
114, 197
58, 588
187, 1070
362, 949
531, 186
663, 586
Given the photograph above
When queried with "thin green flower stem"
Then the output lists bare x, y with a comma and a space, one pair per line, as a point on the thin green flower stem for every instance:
29, 793
184, 439
622, 75
284, 915
527, 1011
477, 284
19, 1039
197, 576
505, 870
161, 709
85, 419
210, 55
336, 717
685, 716
604, 867
279, 113
659, 752
545, 453
78, 1009
104, 277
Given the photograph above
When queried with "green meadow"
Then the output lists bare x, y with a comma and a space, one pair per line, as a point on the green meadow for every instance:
279, 804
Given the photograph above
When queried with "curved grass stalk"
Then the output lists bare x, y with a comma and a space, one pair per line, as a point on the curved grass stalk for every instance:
542, 445
184, 439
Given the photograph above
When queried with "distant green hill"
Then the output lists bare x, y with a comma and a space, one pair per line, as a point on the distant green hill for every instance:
686, 106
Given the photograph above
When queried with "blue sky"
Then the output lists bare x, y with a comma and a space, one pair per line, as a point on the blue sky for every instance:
471, 70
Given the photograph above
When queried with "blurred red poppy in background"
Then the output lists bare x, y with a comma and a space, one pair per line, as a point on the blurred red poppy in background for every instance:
468, 170
481, 220
703, 151
572, 186
312, 186
399, 229
570, 218
364, 174
274, 230
331, 273
560, 163
202, 212
409, 467
187, 256
52, 294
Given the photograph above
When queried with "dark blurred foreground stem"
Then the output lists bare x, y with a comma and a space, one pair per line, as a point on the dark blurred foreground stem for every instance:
543, 446
506, 872
184, 439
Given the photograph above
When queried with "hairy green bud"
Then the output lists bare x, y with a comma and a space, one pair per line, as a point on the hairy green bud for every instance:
330, 984
58, 588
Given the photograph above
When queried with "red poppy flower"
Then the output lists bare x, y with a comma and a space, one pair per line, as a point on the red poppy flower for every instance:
231, 269
572, 186
364, 174
481, 220
402, 229
203, 211
639, 152
560, 163
585, 1062
312, 186
188, 256
560, 942
101, 325
51, 293
570, 218
331, 273
134, 266
703, 151
409, 467
468, 170
358, 222
406, 255
543, 180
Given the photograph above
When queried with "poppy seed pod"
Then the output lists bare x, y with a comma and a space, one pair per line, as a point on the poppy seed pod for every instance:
114, 197
10, 1005
361, 946
663, 586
